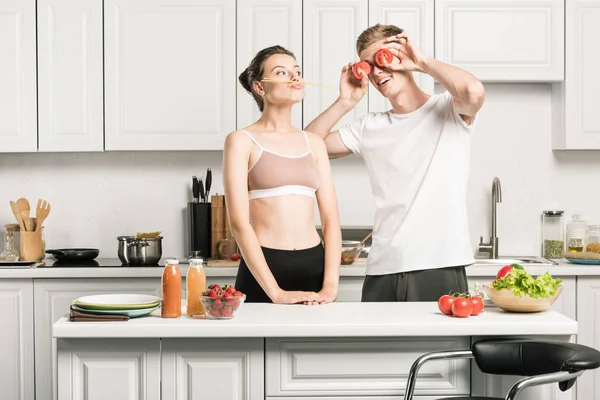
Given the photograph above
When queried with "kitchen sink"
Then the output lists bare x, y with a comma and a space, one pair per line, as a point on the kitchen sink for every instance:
506, 260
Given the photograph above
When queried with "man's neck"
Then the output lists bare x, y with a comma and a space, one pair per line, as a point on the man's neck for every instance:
410, 99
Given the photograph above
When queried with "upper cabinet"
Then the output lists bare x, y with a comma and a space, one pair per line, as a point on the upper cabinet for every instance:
169, 74
330, 31
415, 18
71, 116
18, 110
502, 40
576, 124
260, 24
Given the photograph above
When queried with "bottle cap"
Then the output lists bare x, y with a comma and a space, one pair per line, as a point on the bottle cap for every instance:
172, 262
196, 261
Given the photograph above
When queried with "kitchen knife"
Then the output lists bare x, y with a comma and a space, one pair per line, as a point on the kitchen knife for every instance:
195, 189
202, 191
208, 182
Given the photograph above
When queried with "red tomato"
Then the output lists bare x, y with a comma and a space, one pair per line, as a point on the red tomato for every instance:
445, 304
504, 271
234, 257
383, 56
462, 307
477, 305
360, 69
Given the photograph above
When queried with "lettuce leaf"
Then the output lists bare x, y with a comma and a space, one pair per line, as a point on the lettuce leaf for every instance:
522, 284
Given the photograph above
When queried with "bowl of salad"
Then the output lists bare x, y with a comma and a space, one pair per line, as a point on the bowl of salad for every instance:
515, 290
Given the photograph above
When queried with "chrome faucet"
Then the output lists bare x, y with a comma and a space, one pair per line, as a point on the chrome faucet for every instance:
492, 246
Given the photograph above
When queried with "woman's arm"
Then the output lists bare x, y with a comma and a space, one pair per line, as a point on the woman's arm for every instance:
330, 222
235, 182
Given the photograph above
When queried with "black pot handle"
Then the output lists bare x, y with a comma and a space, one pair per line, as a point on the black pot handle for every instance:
56, 252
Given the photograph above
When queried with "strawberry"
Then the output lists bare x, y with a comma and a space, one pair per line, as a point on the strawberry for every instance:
215, 286
230, 290
217, 304
216, 313
238, 294
213, 293
227, 312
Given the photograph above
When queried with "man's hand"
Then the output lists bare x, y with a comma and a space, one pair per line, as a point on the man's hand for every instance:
352, 90
402, 47
295, 297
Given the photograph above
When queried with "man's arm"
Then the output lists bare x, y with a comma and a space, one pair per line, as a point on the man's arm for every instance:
350, 94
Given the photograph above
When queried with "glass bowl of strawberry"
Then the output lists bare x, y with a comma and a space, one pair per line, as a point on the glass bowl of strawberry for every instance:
221, 303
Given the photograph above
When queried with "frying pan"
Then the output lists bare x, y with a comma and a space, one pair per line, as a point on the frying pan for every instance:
74, 254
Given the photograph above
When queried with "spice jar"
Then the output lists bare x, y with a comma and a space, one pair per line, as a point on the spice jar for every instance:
593, 239
171, 290
196, 284
576, 234
553, 245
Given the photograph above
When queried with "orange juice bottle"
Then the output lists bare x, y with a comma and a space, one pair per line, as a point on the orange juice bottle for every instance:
196, 284
171, 290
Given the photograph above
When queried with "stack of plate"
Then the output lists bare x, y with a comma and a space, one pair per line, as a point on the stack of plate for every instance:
132, 305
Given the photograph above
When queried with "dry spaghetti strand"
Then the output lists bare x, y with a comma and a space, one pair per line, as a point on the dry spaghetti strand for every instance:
288, 81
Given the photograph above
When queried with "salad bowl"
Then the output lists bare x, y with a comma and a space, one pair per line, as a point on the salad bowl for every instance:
508, 301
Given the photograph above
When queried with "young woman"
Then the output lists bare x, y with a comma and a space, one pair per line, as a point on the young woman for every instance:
273, 172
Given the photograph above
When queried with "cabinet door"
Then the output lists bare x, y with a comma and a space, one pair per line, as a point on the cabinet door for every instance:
576, 122
16, 339
52, 298
331, 28
108, 369
18, 109
169, 74
224, 369
70, 75
502, 40
588, 319
260, 24
416, 18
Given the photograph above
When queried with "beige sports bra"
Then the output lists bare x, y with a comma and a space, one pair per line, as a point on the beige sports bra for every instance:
274, 174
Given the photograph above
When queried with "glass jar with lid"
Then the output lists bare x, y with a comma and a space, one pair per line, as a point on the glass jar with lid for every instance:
576, 234
593, 238
10, 253
553, 244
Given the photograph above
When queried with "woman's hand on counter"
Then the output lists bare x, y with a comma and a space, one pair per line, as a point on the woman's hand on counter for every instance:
294, 297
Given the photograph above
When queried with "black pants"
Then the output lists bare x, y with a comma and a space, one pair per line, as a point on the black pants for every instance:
425, 285
293, 270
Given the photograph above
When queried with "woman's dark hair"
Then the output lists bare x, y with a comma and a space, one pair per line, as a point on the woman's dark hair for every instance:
256, 69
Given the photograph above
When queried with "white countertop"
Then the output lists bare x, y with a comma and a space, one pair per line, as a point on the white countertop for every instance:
111, 268
330, 320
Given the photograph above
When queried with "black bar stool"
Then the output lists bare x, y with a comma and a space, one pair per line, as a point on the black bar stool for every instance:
540, 362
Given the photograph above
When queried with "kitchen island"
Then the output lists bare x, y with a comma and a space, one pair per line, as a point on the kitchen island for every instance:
361, 351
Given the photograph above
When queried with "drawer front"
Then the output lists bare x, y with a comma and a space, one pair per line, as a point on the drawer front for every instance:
362, 367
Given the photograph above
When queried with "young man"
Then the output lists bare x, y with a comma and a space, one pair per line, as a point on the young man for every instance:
418, 157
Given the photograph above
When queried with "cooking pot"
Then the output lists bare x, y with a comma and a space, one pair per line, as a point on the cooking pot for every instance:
144, 251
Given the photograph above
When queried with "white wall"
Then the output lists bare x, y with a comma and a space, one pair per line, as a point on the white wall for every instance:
96, 197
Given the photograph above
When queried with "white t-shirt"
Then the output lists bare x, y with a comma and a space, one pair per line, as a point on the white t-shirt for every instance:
418, 164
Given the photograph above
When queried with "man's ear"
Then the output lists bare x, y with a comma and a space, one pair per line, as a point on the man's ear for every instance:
258, 88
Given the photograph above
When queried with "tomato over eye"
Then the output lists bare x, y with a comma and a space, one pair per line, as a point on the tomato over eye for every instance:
360, 69
383, 57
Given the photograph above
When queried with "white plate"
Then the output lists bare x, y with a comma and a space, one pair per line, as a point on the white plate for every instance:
116, 300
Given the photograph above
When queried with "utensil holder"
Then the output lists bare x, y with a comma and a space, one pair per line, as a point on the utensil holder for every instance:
31, 246
199, 215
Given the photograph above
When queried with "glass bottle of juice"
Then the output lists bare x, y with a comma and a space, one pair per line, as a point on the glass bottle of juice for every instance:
196, 284
171, 290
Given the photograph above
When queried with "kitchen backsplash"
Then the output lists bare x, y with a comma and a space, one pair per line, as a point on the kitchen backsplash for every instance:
96, 197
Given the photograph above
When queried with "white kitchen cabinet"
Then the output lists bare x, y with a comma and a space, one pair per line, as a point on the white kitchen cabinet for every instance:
502, 40
588, 319
260, 24
576, 121
16, 340
224, 369
170, 79
52, 298
362, 367
71, 116
18, 97
416, 18
330, 29
103, 369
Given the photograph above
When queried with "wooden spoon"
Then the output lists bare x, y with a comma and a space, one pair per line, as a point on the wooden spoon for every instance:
24, 210
362, 241
15, 209
41, 212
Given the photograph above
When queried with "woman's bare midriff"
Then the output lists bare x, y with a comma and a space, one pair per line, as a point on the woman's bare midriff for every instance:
284, 222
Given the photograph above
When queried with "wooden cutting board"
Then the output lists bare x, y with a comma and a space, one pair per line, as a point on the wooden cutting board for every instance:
234, 264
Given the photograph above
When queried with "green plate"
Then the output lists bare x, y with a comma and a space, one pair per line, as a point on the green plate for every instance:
129, 313
117, 302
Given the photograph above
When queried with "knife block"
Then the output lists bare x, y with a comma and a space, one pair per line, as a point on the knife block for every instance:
199, 215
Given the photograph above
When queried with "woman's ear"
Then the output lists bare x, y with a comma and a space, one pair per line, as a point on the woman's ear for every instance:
258, 88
